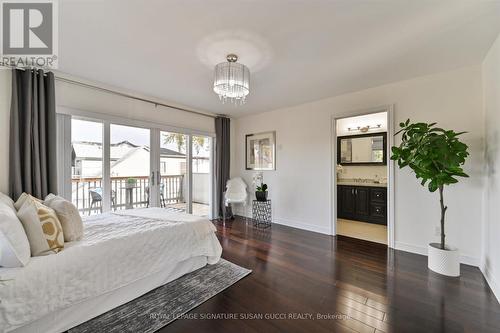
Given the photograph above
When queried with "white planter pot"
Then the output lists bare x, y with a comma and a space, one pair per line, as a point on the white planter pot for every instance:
446, 262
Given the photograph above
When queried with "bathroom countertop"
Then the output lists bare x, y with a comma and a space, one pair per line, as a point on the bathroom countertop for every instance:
369, 184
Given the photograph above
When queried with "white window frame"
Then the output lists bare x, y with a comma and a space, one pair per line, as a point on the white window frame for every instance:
64, 116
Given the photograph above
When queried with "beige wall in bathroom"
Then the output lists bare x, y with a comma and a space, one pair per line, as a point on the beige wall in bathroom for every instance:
363, 171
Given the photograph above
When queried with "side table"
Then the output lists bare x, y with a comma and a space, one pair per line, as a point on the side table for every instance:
261, 213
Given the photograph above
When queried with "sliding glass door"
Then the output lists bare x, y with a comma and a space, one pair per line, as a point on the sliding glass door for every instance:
201, 175
116, 166
174, 180
129, 167
86, 166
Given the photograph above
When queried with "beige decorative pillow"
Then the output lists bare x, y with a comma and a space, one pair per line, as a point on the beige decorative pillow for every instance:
42, 227
20, 201
68, 215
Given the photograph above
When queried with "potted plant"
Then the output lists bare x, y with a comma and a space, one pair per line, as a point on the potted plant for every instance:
131, 183
436, 156
261, 192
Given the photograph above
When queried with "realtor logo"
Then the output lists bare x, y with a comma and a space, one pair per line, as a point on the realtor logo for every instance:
29, 33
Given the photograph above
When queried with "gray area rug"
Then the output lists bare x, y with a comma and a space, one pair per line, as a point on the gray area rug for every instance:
164, 304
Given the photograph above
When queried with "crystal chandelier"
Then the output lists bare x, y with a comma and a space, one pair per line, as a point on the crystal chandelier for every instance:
232, 80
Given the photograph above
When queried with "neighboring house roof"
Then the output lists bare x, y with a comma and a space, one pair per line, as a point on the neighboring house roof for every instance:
128, 155
93, 150
170, 152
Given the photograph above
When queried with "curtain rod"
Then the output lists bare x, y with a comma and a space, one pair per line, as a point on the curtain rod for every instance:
114, 92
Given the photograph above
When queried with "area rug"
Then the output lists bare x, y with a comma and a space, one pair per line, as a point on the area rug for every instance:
163, 305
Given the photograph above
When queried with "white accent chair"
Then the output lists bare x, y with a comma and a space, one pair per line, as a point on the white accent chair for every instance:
236, 193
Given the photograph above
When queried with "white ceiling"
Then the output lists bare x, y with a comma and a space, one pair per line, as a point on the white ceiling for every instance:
297, 51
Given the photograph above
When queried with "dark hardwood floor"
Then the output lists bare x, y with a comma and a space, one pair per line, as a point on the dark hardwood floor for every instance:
362, 286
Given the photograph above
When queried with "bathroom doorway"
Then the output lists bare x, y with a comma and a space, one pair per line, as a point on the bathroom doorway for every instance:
362, 176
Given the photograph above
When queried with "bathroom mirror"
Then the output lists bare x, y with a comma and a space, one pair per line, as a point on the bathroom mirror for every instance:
363, 149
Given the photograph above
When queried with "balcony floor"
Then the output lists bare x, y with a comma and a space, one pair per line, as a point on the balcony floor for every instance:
198, 208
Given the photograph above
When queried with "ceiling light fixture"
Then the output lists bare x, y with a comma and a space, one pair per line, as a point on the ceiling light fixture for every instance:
232, 80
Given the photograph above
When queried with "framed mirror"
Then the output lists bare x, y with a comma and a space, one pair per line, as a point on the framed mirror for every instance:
363, 149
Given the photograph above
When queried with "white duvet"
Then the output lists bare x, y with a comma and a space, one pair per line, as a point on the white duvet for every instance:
117, 249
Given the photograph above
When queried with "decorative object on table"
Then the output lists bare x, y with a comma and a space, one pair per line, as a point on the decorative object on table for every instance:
261, 192
257, 178
131, 182
260, 151
436, 156
262, 213
232, 80
340, 170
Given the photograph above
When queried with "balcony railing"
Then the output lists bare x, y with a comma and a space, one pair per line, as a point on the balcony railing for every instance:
87, 192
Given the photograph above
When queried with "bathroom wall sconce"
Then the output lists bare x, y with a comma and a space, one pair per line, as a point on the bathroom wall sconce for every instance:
364, 129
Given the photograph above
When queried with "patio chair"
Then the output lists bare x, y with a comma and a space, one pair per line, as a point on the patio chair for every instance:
162, 196
96, 198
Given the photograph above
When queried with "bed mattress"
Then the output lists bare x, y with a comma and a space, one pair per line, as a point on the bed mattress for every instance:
117, 250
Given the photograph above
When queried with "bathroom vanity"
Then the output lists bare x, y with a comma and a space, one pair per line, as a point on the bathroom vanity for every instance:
365, 202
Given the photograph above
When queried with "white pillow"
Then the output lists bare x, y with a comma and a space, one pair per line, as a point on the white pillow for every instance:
68, 215
14, 246
8, 201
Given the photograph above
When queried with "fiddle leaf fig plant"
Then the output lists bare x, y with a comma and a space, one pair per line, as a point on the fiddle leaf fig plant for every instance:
435, 155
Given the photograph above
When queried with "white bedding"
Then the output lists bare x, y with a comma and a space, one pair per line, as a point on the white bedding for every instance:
116, 250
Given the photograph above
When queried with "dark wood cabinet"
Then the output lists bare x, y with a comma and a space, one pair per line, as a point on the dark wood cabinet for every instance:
347, 197
362, 203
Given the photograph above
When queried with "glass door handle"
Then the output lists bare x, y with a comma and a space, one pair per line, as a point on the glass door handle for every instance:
153, 178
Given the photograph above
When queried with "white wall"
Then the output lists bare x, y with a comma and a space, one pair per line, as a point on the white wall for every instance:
5, 92
300, 187
76, 97
491, 85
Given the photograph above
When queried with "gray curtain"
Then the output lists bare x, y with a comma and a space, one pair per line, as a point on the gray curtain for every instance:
32, 153
222, 158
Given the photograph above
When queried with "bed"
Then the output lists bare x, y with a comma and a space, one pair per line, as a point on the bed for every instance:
122, 256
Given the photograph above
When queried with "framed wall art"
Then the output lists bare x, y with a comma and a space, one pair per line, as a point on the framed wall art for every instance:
260, 151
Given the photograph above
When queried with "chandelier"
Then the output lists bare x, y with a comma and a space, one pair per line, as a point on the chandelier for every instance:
232, 80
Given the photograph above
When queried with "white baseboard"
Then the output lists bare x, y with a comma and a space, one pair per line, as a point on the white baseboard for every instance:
292, 223
492, 282
464, 259
303, 226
